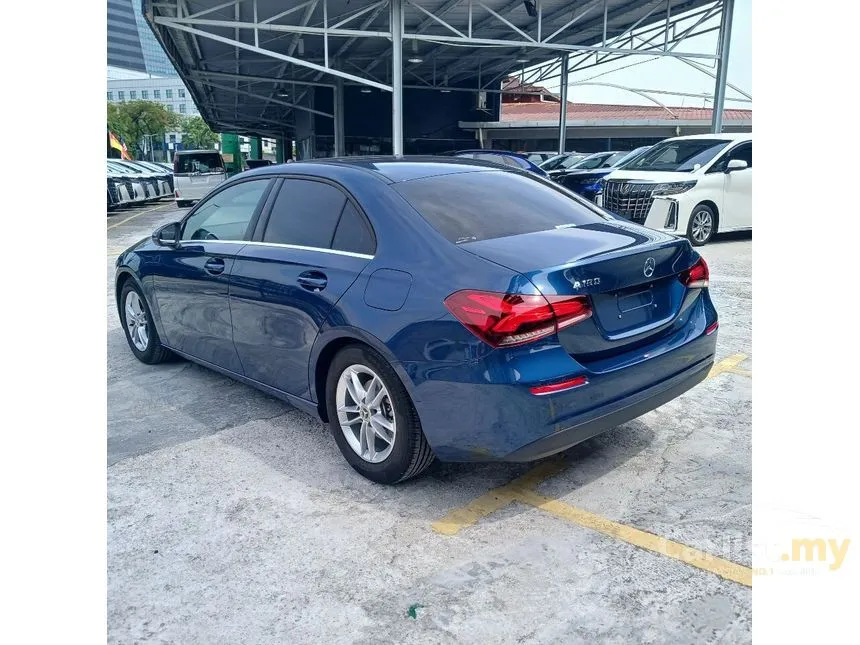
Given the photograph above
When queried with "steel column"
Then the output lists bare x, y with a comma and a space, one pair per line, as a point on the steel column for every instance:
722, 66
562, 110
339, 143
397, 77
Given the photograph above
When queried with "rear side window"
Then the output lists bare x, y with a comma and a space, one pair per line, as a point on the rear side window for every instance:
473, 206
198, 162
318, 215
305, 213
353, 234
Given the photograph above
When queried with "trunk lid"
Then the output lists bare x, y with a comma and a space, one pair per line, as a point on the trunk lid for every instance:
629, 272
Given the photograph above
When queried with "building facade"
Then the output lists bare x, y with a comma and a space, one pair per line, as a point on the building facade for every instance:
131, 44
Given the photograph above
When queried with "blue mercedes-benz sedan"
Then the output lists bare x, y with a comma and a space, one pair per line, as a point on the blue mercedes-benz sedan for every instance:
424, 307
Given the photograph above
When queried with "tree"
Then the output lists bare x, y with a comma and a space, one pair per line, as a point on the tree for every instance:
196, 134
134, 120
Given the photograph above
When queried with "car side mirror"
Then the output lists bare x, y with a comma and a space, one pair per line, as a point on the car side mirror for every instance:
736, 164
167, 235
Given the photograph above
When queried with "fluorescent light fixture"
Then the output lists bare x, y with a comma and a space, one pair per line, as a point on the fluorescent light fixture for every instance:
415, 58
365, 90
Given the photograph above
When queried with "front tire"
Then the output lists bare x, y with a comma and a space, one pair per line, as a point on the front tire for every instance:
372, 418
702, 225
139, 329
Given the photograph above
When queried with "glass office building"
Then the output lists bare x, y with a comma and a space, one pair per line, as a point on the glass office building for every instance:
131, 44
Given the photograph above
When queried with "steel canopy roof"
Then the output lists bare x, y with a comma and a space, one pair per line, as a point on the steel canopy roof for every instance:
247, 63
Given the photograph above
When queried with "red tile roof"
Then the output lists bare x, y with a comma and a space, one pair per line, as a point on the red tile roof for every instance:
597, 111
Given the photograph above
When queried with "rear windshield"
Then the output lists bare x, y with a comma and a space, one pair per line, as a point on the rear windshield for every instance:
474, 206
198, 162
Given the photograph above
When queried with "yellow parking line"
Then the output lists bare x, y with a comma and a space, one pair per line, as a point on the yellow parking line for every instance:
496, 499
644, 540
522, 490
128, 219
730, 364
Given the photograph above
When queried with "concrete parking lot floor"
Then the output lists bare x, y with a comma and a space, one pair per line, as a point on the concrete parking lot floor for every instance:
233, 518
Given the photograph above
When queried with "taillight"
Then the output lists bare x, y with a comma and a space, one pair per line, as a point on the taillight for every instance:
697, 276
506, 319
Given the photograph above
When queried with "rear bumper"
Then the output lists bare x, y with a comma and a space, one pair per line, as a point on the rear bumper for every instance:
485, 411
613, 416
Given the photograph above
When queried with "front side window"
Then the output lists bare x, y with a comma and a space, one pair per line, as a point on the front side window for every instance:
743, 152
226, 214
680, 155
474, 206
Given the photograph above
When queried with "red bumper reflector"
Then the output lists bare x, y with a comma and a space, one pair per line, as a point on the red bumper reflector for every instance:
712, 328
569, 384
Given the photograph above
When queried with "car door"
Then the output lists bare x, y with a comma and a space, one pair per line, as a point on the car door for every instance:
307, 251
191, 280
737, 198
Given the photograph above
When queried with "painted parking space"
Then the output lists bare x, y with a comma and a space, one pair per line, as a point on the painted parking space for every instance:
523, 490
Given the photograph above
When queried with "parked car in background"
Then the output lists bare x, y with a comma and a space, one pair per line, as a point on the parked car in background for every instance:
165, 173
119, 191
563, 160
195, 173
132, 181
257, 163
589, 162
503, 158
587, 181
155, 181
695, 186
539, 157
543, 322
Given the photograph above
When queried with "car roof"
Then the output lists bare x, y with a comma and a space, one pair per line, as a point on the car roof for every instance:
196, 152
731, 136
389, 169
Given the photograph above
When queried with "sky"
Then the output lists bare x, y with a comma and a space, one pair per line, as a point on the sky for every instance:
672, 75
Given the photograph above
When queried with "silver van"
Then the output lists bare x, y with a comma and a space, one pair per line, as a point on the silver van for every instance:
195, 173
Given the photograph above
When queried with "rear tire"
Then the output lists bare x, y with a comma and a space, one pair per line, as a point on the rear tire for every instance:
702, 225
406, 451
140, 332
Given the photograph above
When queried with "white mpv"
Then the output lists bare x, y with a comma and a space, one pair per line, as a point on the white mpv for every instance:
694, 186
195, 173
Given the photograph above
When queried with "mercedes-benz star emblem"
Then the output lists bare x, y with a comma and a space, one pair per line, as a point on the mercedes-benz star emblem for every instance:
649, 267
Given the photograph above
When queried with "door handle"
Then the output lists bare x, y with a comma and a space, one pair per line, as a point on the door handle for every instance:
214, 266
313, 280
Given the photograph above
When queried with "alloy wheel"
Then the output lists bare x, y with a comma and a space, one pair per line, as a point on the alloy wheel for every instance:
702, 225
365, 413
135, 320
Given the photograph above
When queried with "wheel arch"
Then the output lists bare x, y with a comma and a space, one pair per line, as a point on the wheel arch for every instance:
123, 275
326, 347
713, 206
